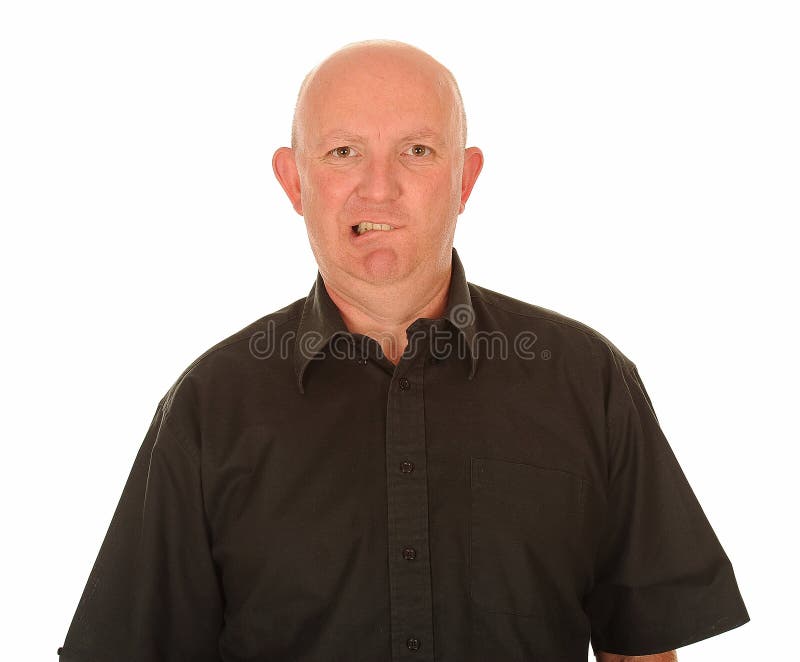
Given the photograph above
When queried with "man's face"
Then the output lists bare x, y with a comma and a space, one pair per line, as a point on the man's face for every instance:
379, 141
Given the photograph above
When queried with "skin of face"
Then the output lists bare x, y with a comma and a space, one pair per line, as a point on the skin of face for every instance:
379, 139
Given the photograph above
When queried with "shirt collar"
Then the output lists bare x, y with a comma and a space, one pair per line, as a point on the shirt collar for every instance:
321, 320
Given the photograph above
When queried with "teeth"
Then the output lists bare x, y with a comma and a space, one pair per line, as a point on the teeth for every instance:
366, 225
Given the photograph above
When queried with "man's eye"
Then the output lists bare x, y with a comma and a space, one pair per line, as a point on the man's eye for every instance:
419, 150
343, 152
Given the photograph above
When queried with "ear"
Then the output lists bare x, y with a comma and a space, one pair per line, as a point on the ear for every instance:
473, 164
285, 169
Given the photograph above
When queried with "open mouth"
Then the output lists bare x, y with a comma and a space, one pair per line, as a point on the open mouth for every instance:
366, 226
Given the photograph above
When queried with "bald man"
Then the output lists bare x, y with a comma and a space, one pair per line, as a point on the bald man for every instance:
402, 465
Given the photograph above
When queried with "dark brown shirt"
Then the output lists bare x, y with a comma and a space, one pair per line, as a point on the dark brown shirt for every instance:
503, 493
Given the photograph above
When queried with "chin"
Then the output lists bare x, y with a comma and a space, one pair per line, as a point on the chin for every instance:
382, 266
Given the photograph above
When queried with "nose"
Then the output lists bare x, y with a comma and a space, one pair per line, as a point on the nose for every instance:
379, 179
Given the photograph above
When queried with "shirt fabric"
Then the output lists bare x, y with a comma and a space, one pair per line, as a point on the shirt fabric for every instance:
504, 492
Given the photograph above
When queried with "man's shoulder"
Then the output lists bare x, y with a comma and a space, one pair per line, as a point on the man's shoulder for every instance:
234, 356
504, 313
277, 320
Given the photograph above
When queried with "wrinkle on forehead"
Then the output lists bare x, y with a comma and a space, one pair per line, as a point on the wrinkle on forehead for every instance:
398, 54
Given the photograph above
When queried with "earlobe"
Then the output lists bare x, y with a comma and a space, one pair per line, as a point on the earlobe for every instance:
473, 164
285, 169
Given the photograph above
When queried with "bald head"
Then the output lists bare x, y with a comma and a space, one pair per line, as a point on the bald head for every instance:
387, 59
379, 170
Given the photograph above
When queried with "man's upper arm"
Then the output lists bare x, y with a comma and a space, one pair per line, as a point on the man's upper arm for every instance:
662, 579
153, 592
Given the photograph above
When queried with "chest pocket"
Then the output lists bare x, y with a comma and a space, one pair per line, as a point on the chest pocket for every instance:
526, 537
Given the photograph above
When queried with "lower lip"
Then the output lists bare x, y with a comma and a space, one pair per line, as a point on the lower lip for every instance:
359, 238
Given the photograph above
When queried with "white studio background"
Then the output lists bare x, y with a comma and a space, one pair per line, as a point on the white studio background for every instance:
641, 176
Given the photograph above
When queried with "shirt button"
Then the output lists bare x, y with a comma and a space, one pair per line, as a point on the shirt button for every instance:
413, 644
409, 553
407, 467
405, 384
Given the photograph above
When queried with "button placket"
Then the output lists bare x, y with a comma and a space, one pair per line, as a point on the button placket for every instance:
411, 594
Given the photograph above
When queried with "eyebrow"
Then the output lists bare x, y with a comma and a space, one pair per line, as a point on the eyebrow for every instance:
423, 134
346, 136
340, 136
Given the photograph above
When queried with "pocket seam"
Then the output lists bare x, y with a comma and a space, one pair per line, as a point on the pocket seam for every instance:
479, 480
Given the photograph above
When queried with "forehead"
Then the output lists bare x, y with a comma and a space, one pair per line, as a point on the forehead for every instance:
379, 94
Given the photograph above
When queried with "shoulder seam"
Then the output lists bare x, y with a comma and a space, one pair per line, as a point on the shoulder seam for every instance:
592, 333
170, 394
180, 439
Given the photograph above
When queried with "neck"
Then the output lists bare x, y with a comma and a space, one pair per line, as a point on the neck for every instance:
385, 312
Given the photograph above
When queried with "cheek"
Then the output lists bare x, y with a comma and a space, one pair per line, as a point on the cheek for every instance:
423, 185
325, 191
442, 192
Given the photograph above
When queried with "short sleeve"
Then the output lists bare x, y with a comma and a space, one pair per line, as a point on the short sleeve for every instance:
662, 579
153, 593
